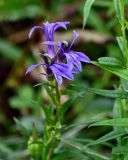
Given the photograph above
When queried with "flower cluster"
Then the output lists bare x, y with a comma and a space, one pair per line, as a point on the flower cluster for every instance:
59, 59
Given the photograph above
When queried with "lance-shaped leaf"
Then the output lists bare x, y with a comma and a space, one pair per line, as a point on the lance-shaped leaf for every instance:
119, 122
117, 4
109, 136
119, 71
121, 45
110, 61
120, 150
87, 8
109, 93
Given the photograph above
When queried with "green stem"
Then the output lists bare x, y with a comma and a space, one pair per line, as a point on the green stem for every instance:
54, 129
123, 29
123, 102
58, 107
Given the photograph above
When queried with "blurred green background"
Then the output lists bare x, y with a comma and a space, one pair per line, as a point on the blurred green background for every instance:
18, 96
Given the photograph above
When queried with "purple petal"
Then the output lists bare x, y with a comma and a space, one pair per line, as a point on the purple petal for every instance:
32, 30
57, 76
82, 57
51, 43
32, 68
76, 62
62, 65
62, 44
69, 62
51, 27
50, 46
74, 39
63, 72
73, 59
75, 70
61, 24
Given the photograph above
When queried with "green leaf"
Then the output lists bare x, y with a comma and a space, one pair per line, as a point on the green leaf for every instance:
126, 157
9, 50
116, 109
21, 128
120, 150
124, 84
121, 45
5, 149
66, 105
26, 91
24, 98
70, 154
46, 86
14, 10
119, 71
87, 8
117, 4
18, 103
109, 136
109, 93
110, 61
95, 154
29, 121
86, 150
119, 122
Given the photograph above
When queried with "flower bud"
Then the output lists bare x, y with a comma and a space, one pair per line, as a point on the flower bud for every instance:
35, 148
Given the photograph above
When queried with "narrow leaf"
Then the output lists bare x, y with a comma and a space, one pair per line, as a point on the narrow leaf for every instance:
46, 86
116, 109
70, 154
120, 150
95, 154
124, 84
121, 45
117, 4
87, 8
109, 136
110, 61
9, 50
109, 93
119, 71
119, 122
21, 128
85, 150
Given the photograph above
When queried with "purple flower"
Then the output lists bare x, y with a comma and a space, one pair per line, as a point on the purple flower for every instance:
49, 29
72, 57
59, 70
58, 53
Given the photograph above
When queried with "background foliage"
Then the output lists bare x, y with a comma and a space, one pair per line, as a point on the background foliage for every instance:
20, 99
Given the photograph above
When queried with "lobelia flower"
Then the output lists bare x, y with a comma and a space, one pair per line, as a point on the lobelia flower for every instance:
54, 59
59, 70
72, 57
49, 29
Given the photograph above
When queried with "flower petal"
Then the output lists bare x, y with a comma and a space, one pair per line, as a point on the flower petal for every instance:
69, 61
75, 70
61, 24
74, 39
32, 68
56, 74
82, 57
51, 43
76, 62
63, 72
33, 29
51, 27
